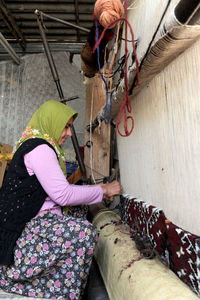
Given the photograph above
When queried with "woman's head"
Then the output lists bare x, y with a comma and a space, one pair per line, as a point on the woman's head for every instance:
51, 118
66, 132
52, 122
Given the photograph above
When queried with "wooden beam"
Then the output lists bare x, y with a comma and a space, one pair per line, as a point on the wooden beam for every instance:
9, 20
75, 177
77, 19
100, 150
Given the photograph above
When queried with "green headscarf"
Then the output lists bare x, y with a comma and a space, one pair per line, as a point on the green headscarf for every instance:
48, 123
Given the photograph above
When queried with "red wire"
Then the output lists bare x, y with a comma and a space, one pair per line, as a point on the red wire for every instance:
126, 102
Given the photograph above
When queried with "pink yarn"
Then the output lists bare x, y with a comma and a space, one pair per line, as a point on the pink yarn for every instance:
108, 11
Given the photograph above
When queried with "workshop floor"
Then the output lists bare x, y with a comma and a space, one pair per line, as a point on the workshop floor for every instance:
95, 288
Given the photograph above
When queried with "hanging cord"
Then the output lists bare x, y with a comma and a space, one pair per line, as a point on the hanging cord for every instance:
91, 148
112, 58
121, 62
132, 40
114, 47
105, 80
125, 103
150, 44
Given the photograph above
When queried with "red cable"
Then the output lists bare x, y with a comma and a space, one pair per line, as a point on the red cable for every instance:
126, 102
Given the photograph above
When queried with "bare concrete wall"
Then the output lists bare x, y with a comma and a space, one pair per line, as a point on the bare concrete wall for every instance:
25, 87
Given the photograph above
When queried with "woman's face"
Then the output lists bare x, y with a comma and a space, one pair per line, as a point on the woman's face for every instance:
66, 132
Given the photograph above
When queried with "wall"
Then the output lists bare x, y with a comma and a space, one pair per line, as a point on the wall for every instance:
25, 87
160, 161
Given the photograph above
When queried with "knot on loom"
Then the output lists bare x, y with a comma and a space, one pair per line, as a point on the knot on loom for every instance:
108, 11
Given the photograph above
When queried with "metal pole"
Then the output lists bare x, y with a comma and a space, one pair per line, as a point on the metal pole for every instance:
60, 92
40, 13
9, 49
48, 52
188, 11
69, 99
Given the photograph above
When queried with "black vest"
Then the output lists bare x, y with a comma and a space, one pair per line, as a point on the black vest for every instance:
21, 197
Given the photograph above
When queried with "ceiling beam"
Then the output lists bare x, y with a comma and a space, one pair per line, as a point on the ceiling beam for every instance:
57, 2
33, 48
77, 19
9, 49
49, 8
41, 14
9, 20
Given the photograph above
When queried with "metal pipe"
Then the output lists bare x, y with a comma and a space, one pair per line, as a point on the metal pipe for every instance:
40, 13
47, 50
188, 11
69, 99
78, 154
195, 16
60, 92
9, 49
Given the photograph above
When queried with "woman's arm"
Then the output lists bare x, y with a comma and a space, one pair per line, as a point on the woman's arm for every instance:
44, 164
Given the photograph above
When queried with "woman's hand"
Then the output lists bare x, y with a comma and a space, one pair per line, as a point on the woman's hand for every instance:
111, 189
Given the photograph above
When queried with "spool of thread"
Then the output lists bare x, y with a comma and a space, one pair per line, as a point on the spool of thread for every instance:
108, 11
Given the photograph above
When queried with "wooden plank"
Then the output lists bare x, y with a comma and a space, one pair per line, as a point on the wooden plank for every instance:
96, 97
75, 177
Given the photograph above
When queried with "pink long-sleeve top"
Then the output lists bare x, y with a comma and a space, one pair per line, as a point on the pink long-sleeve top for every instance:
42, 162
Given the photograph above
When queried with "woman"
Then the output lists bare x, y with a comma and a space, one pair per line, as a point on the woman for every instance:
43, 253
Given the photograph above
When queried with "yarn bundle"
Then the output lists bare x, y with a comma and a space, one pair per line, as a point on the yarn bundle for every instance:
108, 11
105, 12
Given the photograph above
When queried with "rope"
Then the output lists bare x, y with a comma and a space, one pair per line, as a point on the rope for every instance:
105, 80
114, 48
109, 78
125, 103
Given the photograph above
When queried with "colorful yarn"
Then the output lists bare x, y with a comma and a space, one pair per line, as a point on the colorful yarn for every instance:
126, 102
125, 105
108, 11
105, 80
89, 63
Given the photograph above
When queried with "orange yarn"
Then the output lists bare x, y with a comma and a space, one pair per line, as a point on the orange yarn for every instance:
108, 11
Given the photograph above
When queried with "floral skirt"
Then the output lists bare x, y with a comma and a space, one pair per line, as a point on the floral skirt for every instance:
52, 258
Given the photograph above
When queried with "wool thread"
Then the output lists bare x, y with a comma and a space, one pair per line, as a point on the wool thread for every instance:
125, 103
108, 11
105, 80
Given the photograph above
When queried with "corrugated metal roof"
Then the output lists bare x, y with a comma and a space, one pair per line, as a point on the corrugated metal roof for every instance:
78, 12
